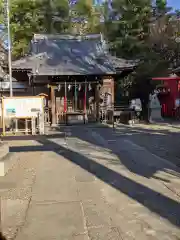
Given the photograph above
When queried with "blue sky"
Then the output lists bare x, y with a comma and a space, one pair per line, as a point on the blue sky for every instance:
174, 3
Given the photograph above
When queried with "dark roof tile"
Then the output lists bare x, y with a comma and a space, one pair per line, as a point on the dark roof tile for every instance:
65, 55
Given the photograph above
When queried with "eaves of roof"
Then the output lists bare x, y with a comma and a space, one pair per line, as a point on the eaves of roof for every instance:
41, 64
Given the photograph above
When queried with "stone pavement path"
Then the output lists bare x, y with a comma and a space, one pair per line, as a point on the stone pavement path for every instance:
87, 187
18, 188
160, 139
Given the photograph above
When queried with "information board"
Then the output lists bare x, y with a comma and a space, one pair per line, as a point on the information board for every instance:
22, 107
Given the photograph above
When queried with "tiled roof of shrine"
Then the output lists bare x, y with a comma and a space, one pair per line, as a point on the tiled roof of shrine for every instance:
70, 55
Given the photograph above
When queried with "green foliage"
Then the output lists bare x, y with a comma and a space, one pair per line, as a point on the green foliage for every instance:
161, 7
53, 15
48, 16
128, 26
24, 19
34, 16
85, 17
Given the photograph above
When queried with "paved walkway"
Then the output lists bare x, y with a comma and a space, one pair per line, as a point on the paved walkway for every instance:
160, 139
87, 187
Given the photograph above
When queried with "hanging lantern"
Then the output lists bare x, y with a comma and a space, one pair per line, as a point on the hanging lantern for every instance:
59, 88
89, 87
79, 88
69, 87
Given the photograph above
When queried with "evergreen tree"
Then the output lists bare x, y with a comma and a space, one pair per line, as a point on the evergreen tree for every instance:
85, 17
127, 25
34, 16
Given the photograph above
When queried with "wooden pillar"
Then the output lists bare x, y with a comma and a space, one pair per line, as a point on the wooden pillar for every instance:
112, 90
65, 97
97, 102
33, 90
75, 96
53, 105
85, 97
32, 80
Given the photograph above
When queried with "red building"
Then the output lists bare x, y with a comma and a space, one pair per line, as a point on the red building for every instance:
169, 94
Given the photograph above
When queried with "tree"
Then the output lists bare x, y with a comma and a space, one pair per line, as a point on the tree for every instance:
3, 51
137, 29
164, 38
126, 26
24, 19
34, 16
161, 8
163, 52
85, 17
3, 47
54, 15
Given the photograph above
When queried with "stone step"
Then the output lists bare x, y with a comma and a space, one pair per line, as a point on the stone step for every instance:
7, 162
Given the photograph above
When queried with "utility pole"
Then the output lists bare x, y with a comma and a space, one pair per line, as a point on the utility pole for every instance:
9, 48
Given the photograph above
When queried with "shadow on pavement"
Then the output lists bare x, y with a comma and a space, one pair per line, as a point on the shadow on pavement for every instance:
136, 161
162, 142
154, 201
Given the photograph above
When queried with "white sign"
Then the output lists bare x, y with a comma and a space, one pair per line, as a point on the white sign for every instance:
25, 107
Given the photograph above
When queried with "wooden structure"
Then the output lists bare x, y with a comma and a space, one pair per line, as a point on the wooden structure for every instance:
74, 71
20, 88
169, 95
22, 115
